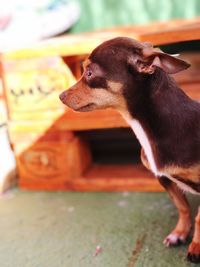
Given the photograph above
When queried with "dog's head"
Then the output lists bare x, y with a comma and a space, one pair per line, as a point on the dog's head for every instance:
114, 66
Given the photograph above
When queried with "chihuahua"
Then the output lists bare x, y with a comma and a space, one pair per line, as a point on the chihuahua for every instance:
133, 78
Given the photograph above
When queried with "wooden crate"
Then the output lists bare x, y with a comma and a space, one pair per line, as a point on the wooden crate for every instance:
43, 133
49, 158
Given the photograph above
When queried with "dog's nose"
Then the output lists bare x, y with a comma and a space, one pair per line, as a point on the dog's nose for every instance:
62, 96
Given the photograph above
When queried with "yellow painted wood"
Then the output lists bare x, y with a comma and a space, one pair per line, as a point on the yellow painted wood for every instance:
33, 86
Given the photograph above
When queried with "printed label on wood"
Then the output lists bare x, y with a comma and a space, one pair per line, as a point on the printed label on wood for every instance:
33, 85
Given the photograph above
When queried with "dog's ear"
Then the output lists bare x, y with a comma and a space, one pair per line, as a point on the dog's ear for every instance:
151, 58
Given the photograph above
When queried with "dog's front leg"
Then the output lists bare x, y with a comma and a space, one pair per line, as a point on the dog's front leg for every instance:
182, 229
194, 248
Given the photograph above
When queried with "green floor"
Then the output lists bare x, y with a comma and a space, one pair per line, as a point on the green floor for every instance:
64, 229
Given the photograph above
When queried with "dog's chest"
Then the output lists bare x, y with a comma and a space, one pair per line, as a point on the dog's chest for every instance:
145, 143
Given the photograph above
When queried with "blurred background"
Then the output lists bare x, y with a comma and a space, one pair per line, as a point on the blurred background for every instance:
23, 21
78, 229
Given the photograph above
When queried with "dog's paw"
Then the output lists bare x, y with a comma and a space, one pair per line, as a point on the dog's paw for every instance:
174, 239
193, 253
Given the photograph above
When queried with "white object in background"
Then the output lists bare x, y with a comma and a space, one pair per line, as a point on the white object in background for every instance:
31, 21
7, 162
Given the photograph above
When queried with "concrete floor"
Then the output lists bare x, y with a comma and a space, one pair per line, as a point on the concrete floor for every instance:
39, 229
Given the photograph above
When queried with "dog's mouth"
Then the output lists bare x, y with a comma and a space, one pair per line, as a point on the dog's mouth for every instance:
85, 108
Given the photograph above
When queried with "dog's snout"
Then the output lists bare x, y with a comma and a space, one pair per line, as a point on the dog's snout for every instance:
63, 96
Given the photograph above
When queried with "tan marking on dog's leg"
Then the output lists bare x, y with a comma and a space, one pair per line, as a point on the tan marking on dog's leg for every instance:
196, 237
182, 229
193, 253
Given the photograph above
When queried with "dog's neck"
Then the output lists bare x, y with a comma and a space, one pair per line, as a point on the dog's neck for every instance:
154, 102
158, 114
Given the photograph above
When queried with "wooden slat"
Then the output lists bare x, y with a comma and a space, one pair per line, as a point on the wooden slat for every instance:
92, 120
158, 33
103, 178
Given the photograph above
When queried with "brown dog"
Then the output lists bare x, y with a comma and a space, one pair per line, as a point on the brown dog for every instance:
133, 78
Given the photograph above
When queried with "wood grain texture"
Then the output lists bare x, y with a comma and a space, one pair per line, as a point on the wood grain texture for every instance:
102, 178
51, 160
